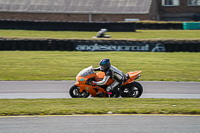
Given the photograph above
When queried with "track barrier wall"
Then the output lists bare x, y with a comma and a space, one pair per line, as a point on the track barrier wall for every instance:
191, 26
86, 26
100, 45
157, 26
68, 26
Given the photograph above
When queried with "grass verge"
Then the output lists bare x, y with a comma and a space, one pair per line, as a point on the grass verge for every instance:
65, 65
98, 106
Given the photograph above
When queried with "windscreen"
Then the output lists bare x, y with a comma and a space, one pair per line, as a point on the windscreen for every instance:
86, 71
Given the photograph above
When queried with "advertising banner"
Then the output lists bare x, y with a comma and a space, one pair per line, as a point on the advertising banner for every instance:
123, 46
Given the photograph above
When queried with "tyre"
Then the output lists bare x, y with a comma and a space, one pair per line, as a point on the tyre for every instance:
133, 89
75, 92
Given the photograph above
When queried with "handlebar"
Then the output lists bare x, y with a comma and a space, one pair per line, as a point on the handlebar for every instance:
89, 81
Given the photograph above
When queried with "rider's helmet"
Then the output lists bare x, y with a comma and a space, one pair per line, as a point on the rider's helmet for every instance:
104, 30
104, 64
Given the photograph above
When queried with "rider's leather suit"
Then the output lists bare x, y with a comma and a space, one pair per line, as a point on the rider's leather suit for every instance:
113, 73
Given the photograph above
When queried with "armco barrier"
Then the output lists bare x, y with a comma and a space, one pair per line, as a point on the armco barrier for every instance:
100, 45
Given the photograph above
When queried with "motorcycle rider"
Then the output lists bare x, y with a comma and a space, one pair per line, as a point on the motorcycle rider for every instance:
101, 34
110, 72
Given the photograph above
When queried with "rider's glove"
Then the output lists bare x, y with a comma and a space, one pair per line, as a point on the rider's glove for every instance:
93, 83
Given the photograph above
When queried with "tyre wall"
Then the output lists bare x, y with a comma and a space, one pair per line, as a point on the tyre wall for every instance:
86, 26
67, 26
101, 45
159, 26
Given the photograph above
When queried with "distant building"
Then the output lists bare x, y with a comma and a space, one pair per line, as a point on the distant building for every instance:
181, 10
98, 10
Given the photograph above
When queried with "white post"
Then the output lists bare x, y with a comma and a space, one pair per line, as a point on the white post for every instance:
90, 17
158, 17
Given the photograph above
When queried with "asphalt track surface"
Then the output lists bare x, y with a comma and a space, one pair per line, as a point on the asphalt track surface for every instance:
98, 123
101, 124
60, 89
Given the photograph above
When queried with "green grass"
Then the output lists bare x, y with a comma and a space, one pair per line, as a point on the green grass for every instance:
64, 65
139, 34
98, 106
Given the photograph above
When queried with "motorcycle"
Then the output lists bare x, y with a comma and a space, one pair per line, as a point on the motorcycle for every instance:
83, 88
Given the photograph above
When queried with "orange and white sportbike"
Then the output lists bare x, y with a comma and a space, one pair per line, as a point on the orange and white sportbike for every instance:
83, 89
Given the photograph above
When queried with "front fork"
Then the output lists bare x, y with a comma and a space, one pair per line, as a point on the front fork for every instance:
80, 89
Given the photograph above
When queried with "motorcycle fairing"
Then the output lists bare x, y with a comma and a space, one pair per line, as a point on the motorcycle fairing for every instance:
91, 89
81, 79
132, 76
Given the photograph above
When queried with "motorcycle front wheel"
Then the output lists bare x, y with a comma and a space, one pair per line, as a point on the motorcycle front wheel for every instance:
75, 92
133, 89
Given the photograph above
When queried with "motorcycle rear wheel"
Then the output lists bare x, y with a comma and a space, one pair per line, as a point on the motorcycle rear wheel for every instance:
75, 92
133, 89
